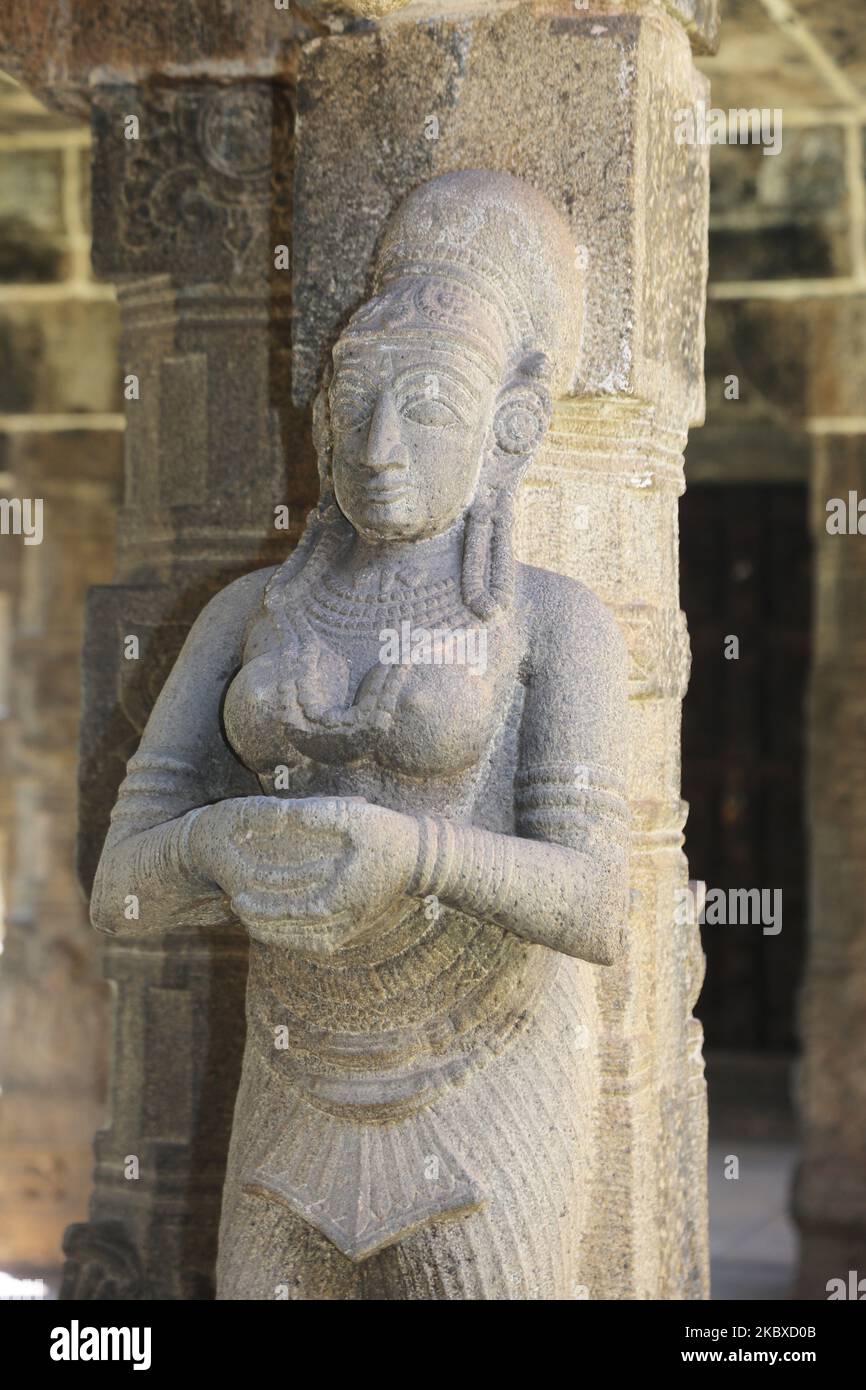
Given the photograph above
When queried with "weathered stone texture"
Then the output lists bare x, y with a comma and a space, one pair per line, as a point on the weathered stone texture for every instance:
55, 52
204, 192
609, 97
391, 804
187, 219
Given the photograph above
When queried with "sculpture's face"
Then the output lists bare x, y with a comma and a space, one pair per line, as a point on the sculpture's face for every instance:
409, 425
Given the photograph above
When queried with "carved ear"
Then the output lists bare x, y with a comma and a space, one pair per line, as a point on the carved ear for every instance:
524, 408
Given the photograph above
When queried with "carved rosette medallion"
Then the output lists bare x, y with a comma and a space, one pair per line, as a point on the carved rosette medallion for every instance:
196, 191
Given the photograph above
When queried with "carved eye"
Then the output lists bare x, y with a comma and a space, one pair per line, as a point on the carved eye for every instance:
350, 413
430, 411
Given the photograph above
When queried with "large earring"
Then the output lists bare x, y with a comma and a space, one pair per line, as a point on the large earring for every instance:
487, 574
521, 420
519, 424
524, 408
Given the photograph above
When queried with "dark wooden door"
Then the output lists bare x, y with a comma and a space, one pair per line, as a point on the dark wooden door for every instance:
746, 572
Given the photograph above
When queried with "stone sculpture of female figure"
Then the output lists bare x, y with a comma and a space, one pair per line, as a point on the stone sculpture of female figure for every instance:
396, 760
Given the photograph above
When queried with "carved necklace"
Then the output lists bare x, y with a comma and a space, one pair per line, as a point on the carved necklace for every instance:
379, 596
438, 604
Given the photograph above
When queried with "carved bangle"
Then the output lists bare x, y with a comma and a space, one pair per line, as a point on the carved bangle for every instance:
185, 862
466, 867
435, 851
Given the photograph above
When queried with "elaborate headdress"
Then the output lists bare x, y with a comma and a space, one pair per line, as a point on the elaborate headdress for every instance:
487, 260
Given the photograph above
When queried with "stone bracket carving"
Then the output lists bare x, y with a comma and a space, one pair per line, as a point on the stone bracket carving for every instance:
204, 192
102, 1263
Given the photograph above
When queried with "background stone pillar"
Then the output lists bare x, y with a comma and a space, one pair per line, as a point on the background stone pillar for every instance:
805, 356
583, 105
830, 1189
61, 442
186, 220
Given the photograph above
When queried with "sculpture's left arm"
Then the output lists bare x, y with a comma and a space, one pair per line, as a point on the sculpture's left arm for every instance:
562, 880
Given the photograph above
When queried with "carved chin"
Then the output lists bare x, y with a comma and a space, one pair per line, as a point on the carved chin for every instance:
386, 517
397, 518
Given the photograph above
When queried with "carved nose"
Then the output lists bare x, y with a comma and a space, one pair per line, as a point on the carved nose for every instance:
385, 447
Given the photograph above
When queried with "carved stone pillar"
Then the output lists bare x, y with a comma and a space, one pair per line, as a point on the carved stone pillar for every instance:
581, 104
186, 218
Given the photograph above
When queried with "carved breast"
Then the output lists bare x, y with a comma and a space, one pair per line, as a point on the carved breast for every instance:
430, 718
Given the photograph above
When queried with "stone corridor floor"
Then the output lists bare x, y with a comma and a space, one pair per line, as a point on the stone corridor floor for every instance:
752, 1239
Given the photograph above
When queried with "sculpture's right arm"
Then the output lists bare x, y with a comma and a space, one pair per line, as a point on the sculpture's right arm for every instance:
145, 881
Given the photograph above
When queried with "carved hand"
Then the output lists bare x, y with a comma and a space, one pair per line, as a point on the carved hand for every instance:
312, 873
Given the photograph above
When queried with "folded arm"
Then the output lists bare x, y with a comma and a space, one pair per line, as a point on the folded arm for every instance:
146, 881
